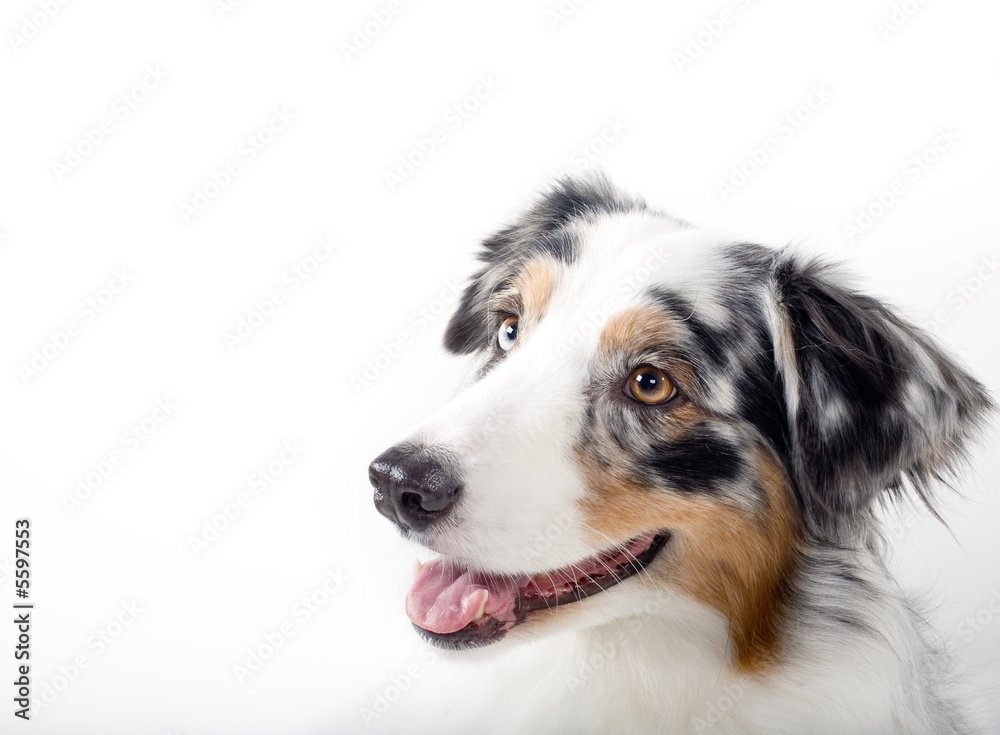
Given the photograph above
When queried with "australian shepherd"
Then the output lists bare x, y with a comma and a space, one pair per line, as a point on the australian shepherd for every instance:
665, 475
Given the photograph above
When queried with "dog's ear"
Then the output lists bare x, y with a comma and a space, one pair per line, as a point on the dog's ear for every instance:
873, 403
467, 328
541, 229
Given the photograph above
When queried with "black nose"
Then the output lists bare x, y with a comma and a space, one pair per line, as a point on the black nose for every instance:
412, 488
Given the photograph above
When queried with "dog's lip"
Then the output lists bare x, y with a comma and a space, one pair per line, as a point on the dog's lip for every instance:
514, 599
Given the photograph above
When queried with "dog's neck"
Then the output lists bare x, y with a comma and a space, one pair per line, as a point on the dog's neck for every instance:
613, 678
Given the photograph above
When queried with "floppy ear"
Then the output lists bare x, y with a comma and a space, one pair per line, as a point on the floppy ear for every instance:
467, 327
873, 402
541, 229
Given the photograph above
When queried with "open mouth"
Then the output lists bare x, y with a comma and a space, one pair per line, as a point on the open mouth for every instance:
454, 607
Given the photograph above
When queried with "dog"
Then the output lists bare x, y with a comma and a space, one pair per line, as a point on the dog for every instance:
665, 475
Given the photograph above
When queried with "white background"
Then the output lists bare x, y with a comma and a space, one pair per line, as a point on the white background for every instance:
673, 129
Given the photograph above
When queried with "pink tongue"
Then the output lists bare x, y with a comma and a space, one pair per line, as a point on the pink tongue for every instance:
445, 598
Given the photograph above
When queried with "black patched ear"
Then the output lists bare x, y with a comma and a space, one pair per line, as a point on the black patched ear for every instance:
467, 328
874, 404
542, 229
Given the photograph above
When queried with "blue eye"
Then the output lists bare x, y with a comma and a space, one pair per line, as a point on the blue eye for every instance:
507, 334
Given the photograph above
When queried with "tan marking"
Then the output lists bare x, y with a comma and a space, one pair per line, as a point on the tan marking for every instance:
535, 284
635, 329
641, 328
737, 561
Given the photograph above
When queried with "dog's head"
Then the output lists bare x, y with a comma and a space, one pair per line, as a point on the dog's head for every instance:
655, 402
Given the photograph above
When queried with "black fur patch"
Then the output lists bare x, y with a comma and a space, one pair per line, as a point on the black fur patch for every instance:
468, 329
713, 345
701, 462
743, 353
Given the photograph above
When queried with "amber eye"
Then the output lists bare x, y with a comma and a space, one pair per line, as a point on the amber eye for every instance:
507, 334
649, 385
